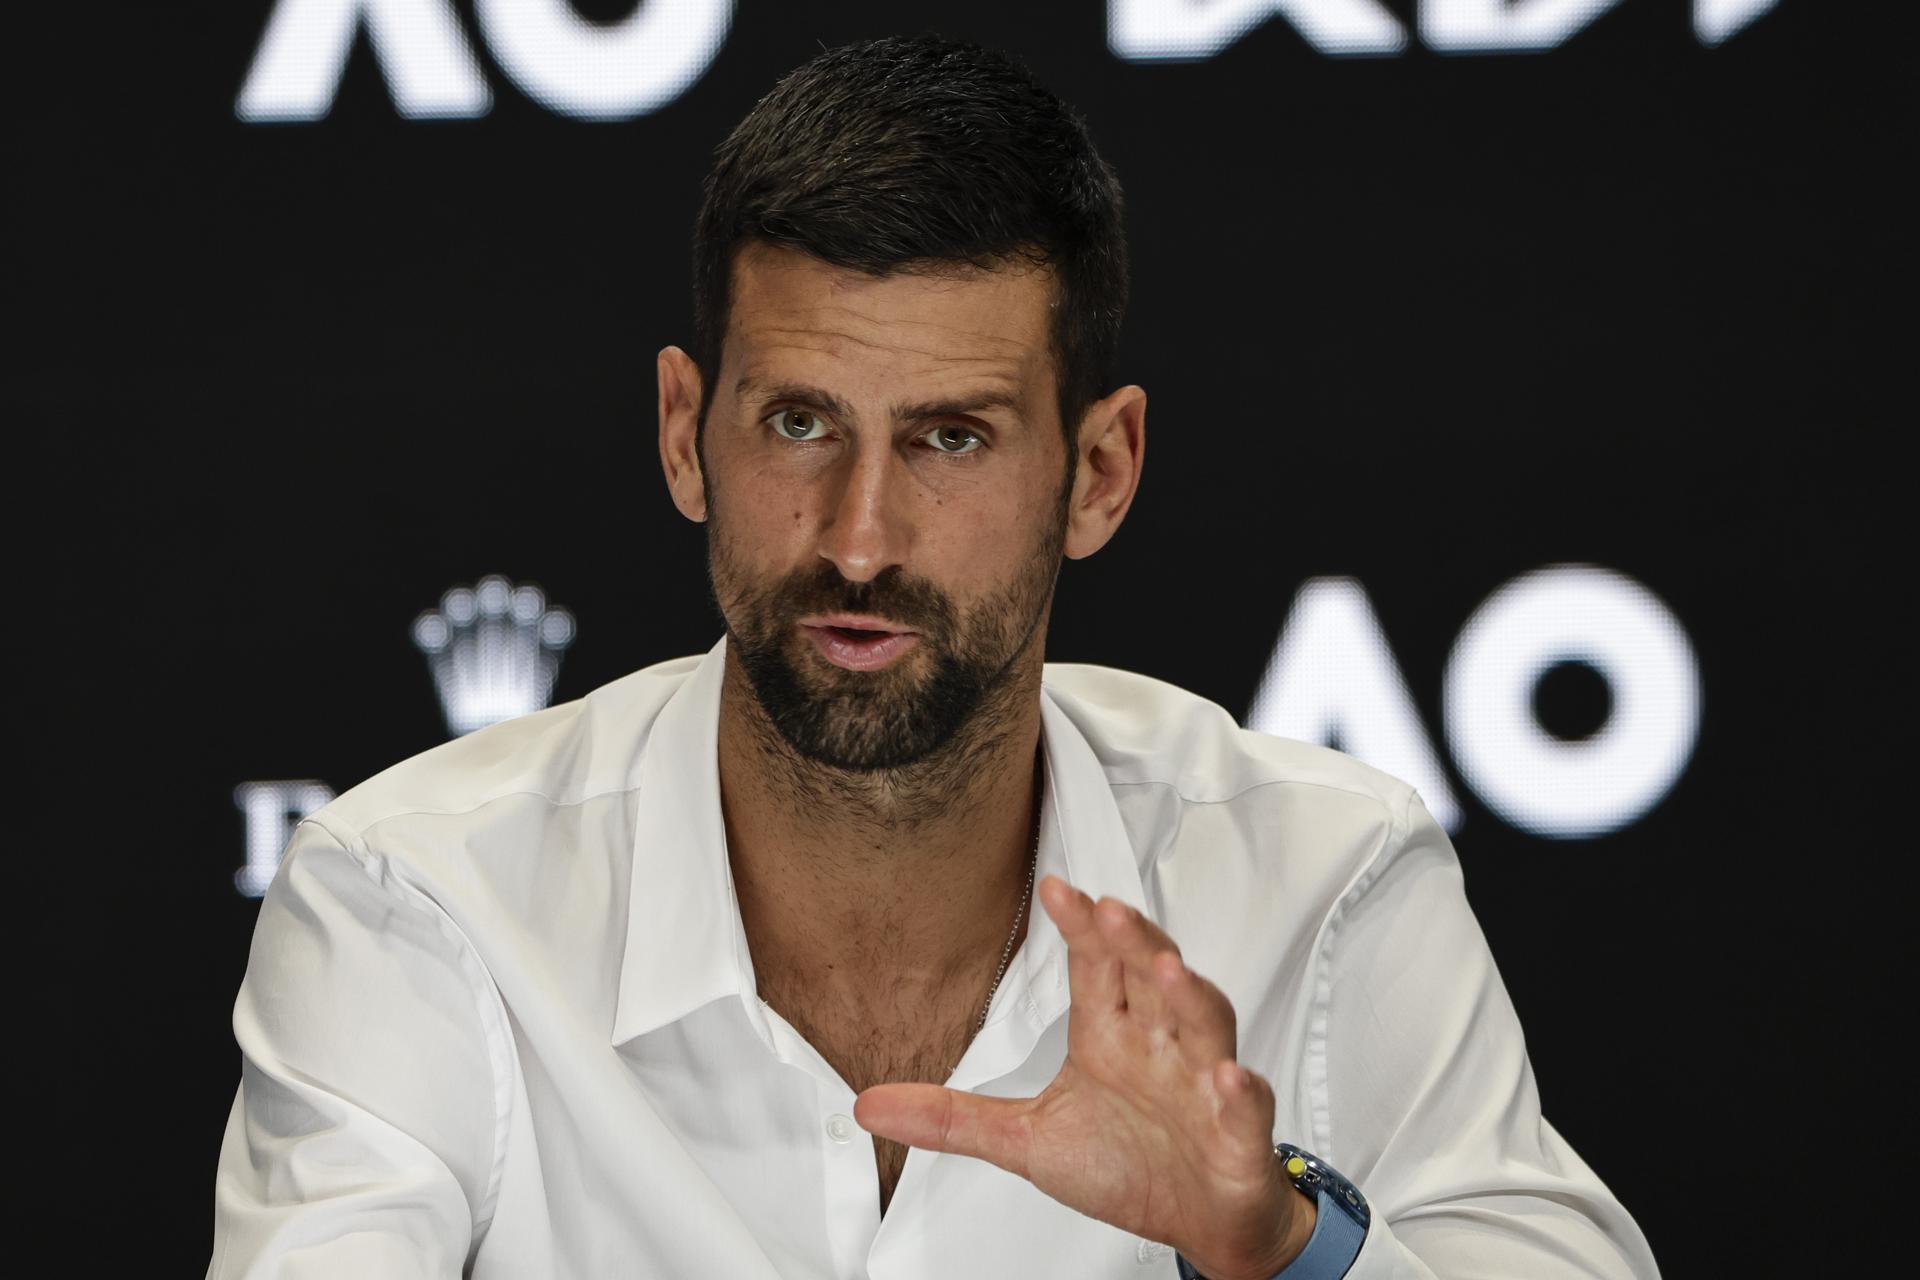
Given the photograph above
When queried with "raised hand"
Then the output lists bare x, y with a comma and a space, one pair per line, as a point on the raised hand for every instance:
1151, 1125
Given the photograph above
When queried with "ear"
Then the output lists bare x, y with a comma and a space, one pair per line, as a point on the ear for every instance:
679, 426
1112, 442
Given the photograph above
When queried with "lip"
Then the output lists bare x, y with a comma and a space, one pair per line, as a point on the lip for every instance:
860, 655
858, 621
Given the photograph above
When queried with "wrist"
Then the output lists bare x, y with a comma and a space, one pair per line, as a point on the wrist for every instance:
1300, 1224
1321, 1243
1297, 1223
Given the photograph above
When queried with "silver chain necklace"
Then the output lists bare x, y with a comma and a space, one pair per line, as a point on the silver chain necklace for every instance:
1007, 952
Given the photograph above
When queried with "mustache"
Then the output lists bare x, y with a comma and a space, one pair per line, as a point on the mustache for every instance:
913, 604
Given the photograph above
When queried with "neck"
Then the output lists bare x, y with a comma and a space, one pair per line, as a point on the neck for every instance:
912, 876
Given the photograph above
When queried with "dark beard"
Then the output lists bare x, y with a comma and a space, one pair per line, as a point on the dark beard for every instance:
875, 721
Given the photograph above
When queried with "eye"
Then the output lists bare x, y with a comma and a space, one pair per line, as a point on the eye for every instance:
797, 424
965, 439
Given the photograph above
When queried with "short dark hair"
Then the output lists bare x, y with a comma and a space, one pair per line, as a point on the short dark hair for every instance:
914, 153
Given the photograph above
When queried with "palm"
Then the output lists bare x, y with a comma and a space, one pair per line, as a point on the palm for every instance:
1147, 1126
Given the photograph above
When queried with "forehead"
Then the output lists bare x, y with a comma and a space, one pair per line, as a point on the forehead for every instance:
790, 308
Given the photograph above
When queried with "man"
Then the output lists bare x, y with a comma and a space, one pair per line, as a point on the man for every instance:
867, 944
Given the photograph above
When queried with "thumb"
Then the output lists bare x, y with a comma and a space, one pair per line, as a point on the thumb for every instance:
941, 1119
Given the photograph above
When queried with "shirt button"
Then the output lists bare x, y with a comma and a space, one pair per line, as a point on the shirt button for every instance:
1150, 1250
840, 1128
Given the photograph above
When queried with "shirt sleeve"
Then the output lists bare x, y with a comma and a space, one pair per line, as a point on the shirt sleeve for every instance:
363, 1139
1425, 1098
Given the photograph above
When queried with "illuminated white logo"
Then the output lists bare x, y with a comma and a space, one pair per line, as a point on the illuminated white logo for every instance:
1715, 20
1595, 784
1476, 26
1188, 30
271, 809
1180, 30
592, 71
494, 650
1333, 679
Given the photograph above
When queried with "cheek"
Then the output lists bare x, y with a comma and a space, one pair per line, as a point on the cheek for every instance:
981, 540
760, 536
761, 503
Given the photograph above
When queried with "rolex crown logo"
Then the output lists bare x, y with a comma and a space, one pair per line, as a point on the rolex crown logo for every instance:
494, 650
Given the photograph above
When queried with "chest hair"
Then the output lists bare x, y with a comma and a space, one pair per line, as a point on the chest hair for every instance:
901, 1039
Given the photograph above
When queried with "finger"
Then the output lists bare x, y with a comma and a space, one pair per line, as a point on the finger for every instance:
1073, 911
1203, 1016
1132, 937
1139, 939
940, 1119
1093, 970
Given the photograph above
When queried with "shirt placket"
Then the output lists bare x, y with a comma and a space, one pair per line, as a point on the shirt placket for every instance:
850, 1174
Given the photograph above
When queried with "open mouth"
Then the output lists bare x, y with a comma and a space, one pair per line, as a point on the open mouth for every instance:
860, 648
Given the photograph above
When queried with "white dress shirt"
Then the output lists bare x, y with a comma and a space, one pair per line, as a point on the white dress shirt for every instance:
500, 1018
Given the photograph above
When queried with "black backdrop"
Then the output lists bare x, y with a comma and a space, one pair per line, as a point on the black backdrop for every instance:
1426, 320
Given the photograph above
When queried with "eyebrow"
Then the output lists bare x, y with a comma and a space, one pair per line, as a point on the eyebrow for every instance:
998, 398
992, 398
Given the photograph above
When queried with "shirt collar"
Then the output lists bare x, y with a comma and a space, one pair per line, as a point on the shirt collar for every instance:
686, 945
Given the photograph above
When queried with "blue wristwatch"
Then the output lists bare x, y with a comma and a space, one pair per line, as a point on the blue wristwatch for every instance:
1340, 1220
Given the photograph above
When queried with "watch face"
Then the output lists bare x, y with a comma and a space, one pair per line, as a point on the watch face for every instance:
1313, 1176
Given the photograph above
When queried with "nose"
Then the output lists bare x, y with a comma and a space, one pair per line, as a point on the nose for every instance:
869, 529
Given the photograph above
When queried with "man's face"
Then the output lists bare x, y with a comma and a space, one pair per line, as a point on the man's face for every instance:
888, 448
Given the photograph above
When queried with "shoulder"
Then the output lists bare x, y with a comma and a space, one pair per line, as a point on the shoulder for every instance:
563, 756
1147, 731
1257, 817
